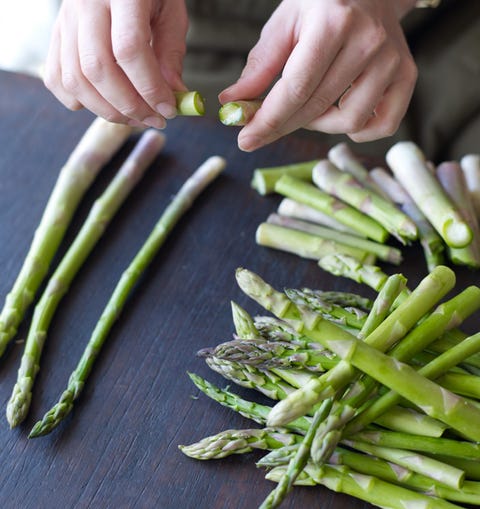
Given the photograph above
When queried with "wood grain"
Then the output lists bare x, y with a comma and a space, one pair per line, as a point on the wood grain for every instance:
118, 448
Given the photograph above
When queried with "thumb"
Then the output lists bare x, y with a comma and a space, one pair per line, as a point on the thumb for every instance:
264, 63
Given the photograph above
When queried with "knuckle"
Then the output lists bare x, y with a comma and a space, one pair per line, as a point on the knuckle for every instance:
126, 45
377, 36
70, 82
355, 122
92, 67
299, 89
114, 117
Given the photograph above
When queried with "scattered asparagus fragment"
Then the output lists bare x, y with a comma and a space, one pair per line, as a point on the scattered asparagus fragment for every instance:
452, 179
470, 164
408, 164
349, 190
101, 213
182, 201
238, 113
306, 245
96, 147
190, 103
431, 242
310, 195
264, 179
291, 208
382, 251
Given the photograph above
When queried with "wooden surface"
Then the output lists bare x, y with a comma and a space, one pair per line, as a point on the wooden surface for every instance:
119, 446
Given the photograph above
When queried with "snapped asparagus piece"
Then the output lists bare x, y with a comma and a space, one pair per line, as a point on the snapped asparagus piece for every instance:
342, 156
101, 213
291, 208
408, 164
297, 462
264, 179
470, 164
431, 242
368, 488
241, 441
452, 179
189, 103
437, 401
430, 290
381, 251
238, 112
349, 190
96, 147
306, 245
182, 201
310, 195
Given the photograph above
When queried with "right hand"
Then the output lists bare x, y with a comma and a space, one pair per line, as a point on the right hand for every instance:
120, 59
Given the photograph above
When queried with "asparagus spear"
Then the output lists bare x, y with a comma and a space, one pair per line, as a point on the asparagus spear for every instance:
381, 251
98, 219
452, 179
409, 166
238, 112
264, 179
245, 327
291, 208
189, 103
431, 242
298, 461
370, 489
234, 441
310, 195
342, 156
349, 190
182, 201
306, 245
470, 164
349, 267
396, 325
101, 140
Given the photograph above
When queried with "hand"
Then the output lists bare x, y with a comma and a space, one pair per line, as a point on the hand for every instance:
121, 59
344, 67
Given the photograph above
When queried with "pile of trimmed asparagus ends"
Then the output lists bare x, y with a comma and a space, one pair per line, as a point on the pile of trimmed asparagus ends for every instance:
336, 206
376, 398
96, 147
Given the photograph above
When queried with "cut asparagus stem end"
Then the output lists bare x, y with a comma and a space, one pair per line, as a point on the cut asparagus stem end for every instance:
238, 112
458, 233
190, 103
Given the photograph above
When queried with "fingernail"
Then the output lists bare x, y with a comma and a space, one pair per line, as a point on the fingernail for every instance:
166, 110
157, 122
249, 143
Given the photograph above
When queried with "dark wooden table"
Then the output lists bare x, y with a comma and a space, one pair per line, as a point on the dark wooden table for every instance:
118, 448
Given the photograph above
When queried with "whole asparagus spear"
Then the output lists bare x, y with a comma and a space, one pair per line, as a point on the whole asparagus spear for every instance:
101, 140
98, 219
183, 200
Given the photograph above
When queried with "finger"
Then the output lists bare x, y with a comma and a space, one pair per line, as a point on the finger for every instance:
388, 113
100, 69
313, 80
52, 76
73, 80
356, 106
131, 34
169, 43
264, 63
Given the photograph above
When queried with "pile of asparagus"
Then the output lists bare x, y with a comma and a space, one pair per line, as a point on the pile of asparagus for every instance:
378, 399
337, 206
99, 143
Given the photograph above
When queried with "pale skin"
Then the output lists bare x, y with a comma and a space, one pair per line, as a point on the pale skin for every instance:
335, 66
